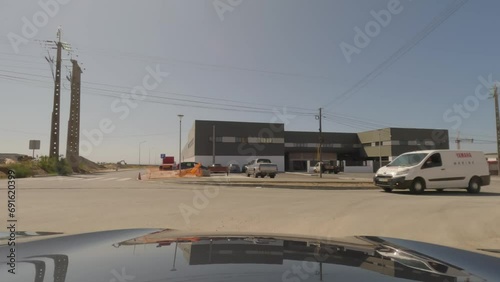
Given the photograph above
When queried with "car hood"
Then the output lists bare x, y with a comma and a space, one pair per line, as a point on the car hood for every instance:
392, 170
170, 255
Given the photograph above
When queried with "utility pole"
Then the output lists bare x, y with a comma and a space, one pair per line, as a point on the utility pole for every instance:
495, 95
54, 131
180, 142
320, 144
55, 122
379, 149
142, 142
73, 143
213, 144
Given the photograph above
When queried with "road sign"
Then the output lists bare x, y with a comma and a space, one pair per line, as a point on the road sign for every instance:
34, 144
162, 156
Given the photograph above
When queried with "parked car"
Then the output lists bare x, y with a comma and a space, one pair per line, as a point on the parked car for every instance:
218, 168
435, 169
234, 168
186, 165
262, 168
328, 167
245, 167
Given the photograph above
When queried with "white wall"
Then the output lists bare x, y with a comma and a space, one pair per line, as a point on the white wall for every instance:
368, 169
241, 160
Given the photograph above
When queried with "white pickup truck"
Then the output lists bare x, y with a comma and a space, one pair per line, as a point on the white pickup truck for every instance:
262, 167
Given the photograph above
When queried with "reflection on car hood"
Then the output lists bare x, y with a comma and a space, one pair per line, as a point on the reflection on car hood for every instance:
170, 255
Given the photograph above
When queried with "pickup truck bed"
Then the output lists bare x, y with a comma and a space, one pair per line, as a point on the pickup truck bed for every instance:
262, 170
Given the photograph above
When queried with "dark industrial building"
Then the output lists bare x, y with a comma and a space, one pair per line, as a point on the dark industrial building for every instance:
240, 142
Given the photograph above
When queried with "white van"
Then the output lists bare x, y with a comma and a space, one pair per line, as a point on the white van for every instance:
435, 169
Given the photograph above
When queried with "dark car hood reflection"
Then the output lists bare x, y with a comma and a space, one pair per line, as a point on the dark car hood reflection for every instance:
169, 255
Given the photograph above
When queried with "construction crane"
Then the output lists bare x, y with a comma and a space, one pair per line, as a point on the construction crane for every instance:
459, 140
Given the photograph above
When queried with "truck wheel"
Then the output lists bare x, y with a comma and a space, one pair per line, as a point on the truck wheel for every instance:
255, 174
262, 175
272, 175
248, 174
387, 189
474, 185
417, 186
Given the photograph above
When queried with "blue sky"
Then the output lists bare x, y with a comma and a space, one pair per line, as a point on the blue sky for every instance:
255, 61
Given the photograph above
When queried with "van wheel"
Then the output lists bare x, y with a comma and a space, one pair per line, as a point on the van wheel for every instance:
272, 175
417, 186
474, 185
388, 190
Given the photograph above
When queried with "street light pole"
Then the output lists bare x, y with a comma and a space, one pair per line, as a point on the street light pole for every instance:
379, 149
140, 151
180, 141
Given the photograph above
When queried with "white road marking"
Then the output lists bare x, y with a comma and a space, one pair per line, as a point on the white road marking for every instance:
96, 178
108, 179
71, 178
124, 179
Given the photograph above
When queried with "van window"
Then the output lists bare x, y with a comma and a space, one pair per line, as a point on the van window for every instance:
408, 159
433, 161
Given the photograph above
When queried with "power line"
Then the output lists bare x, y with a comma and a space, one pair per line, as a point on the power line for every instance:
149, 58
201, 97
202, 104
428, 29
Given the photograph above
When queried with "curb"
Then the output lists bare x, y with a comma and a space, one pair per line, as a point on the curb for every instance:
264, 186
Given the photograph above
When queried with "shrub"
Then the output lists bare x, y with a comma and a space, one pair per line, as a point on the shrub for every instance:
22, 170
63, 167
52, 165
48, 164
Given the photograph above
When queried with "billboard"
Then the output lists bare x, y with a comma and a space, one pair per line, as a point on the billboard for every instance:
34, 144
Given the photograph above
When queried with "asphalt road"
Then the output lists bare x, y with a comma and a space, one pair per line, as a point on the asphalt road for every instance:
116, 200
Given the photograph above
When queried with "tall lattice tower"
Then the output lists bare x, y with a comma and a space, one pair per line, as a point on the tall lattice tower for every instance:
73, 143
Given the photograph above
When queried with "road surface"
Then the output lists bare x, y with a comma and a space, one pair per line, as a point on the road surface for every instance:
116, 200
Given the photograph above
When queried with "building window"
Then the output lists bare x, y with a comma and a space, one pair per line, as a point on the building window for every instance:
228, 139
391, 143
332, 145
241, 139
266, 140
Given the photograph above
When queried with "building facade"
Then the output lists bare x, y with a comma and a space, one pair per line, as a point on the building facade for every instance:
240, 142
235, 142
